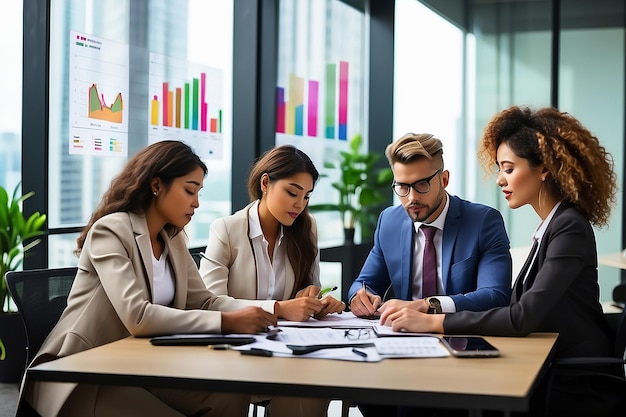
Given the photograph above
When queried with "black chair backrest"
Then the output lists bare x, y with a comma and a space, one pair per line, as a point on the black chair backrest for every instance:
619, 293
40, 296
617, 322
620, 336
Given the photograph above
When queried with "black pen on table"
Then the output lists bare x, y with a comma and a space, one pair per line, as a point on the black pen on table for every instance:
360, 352
252, 351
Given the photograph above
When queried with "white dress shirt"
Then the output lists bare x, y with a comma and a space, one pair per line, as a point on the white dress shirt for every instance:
271, 275
447, 304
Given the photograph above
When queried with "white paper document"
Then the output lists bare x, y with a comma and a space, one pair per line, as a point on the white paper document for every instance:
353, 344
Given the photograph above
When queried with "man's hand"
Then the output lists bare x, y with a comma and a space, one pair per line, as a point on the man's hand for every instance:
395, 304
364, 303
409, 320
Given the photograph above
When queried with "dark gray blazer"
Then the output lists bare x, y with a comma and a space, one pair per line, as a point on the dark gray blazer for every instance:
560, 295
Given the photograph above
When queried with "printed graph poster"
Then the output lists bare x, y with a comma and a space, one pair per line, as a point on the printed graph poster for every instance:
185, 104
318, 113
98, 84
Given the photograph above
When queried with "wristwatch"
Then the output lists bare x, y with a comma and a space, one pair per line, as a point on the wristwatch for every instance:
434, 305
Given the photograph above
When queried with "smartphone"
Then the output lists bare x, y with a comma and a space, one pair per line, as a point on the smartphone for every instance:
469, 346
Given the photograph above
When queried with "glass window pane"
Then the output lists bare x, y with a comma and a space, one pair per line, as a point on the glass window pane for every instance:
512, 62
321, 92
428, 91
591, 87
11, 93
117, 86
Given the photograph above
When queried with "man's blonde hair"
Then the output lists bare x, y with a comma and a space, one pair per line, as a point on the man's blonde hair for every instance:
412, 146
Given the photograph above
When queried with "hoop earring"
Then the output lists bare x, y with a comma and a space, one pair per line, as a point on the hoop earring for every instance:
540, 190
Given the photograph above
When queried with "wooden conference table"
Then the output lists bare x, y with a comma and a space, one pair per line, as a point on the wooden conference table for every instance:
502, 383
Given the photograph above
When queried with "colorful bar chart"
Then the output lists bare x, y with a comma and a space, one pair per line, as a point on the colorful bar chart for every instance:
186, 103
179, 110
298, 105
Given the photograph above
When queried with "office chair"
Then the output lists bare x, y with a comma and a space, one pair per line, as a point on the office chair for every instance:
265, 404
195, 254
619, 294
607, 373
40, 296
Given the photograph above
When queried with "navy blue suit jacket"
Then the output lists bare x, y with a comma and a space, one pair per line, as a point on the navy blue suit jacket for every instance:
476, 262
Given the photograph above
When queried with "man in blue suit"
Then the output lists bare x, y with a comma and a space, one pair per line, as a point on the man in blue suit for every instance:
472, 270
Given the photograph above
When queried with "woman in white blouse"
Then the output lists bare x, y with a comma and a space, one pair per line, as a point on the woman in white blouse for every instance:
268, 251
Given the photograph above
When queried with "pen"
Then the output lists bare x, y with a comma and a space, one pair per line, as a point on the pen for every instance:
359, 352
325, 291
257, 352
371, 316
203, 256
221, 346
272, 334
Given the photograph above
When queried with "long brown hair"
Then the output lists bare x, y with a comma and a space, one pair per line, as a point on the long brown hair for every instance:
283, 162
580, 169
130, 190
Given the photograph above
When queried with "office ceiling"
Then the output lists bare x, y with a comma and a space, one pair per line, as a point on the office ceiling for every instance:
530, 15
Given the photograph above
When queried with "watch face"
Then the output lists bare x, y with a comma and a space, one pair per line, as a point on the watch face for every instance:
435, 304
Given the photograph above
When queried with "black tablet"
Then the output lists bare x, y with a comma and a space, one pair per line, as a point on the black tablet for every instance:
200, 340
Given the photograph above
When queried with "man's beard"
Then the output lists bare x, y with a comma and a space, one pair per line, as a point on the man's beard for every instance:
429, 209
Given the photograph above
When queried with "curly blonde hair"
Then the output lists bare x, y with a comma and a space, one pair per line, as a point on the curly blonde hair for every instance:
580, 169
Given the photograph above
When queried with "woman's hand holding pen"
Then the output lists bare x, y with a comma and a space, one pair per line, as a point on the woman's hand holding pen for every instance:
298, 309
309, 291
318, 305
247, 320
330, 305
365, 303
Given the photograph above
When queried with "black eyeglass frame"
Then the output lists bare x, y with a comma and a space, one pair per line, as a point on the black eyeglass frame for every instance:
426, 180
358, 334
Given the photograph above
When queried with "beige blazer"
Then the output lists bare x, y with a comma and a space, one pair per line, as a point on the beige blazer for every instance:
231, 269
112, 298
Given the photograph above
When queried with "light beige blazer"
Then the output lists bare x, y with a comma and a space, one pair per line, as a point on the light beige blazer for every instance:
231, 268
112, 298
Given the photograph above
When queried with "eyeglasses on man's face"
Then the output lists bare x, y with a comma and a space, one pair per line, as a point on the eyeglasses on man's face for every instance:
421, 186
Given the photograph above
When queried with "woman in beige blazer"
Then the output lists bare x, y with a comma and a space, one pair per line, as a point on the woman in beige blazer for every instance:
268, 251
136, 277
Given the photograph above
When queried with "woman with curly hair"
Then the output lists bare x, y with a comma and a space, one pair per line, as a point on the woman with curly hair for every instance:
548, 159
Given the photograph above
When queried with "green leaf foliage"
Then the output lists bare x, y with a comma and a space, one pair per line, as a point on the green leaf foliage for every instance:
362, 188
17, 235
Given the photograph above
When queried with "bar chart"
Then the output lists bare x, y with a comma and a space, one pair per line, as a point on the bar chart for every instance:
186, 104
307, 107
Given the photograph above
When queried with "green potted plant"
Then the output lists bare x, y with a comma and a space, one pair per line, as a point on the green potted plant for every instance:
361, 188
16, 234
